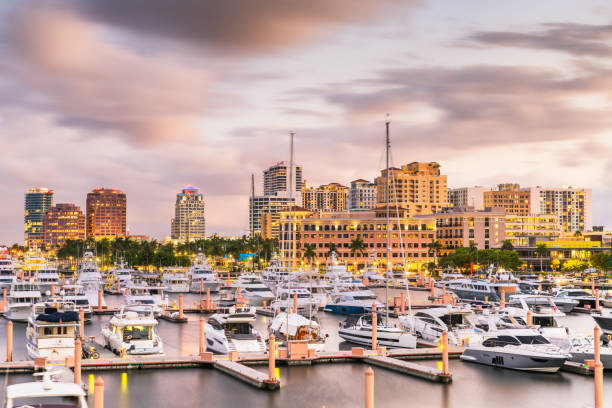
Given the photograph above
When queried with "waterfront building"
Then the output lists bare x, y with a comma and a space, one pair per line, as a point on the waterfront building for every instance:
139, 237
467, 197
463, 226
189, 222
62, 222
572, 205
510, 197
37, 202
409, 236
260, 205
331, 197
106, 213
524, 230
276, 180
418, 187
559, 251
362, 195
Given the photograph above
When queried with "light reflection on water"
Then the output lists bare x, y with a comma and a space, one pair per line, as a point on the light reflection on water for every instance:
333, 385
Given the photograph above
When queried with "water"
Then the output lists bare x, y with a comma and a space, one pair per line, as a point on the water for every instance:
332, 385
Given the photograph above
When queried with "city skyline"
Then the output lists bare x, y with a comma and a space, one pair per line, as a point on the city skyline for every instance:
455, 80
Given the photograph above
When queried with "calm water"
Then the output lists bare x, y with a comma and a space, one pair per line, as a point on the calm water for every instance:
333, 385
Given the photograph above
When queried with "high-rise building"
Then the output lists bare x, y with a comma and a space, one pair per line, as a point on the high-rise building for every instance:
260, 205
62, 222
418, 187
362, 195
467, 197
523, 229
462, 226
276, 180
328, 197
510, 197
189, 222
37, 202
572, 205
106, 213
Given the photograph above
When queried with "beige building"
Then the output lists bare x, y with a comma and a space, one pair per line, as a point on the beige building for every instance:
62, 222
510, 197
189, 222
467, 197
326, 198
418, 187
462, 226
573, 206
520, 228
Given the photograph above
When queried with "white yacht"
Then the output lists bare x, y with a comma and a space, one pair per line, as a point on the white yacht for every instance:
47, 276
582, 348
320, 291
203, 276
253, 289
45, 393
89, 275
139, 295
358, 330
119, 273
285, 297
429, 324
583, 298
296, 327
517, 349
176, 282
51, 331
7, 270
275, 273
76, 294
21, 298
353, 298
234, 331
482, 290
544, 313
336, 270
133, 329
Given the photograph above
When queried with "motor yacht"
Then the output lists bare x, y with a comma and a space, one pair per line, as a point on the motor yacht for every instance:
428, 324
300, 329
517, 349
358, 329
284, 301
76, 294
139, 296
336, 270
604, 321
21, 298
47, 276
120, 272
203, 277
585, 299
176, 282
582, 348
133, 330
89, 275
45, 393
483, 290
253, 289
51, 331
275, 273
351, 298
233, 330
7, 271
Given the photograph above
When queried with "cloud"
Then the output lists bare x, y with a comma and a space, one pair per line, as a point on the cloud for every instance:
571, 38
243, 26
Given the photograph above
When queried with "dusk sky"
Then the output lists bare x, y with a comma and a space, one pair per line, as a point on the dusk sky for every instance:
148, 96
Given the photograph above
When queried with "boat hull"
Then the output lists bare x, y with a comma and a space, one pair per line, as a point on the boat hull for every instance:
344, 309
391, 340
514, 361
582, 356
18, 313
604, 322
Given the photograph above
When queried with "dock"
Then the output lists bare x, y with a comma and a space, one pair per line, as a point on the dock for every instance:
246, 374
412, 369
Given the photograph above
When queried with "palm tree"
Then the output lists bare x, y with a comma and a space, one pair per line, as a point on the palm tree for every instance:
357, 246
434, 249
332, 248
542, 251
309, 252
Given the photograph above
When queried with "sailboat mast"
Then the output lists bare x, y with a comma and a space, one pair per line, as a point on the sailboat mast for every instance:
292, 241
387, 147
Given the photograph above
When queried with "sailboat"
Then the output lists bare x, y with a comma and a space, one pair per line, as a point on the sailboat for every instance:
358, 329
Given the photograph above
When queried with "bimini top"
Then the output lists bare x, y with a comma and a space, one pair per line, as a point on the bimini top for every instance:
295, 322
40, 389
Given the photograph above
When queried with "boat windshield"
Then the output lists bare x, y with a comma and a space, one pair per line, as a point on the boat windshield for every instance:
136, 333
256, 289
238, 328
532, 340
364, 297
51, 402
453, 319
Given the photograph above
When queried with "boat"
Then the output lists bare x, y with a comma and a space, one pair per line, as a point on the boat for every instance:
606, 299
7, 269
517, 349
176, 282
483, 289
89, 275
139, 296
353, 298
203, 277
253, 289
604, 321
133, 330
275, 273
582, 349
21, 298
585, 299
320, 292
76, 294
31, 263
232, 330
118, 276
301, 329
358, 329
428, 324
51, 331
45, 393
336, 271
47, 277
306, 305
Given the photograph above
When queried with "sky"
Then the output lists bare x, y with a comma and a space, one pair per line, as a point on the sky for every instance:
149, 96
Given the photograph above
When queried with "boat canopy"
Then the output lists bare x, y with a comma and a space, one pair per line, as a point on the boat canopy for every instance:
295, 322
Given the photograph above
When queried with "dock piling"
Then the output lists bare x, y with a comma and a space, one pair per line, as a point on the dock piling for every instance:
82, 324
432, 288
201, 285
529, 318
202, 336
403, 304
598, 384
295, 305
596, 345
119, 285
445, 352
369, 388
77, 361
99, 393
52, 290
502, 301
181, 306
100, 300
597, 300
9, 340
208, 299
271, 358
374, 326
